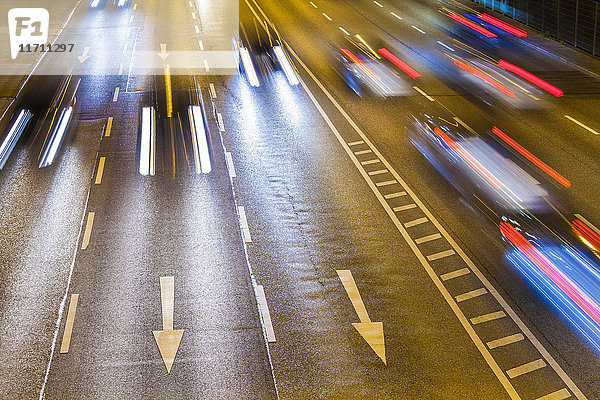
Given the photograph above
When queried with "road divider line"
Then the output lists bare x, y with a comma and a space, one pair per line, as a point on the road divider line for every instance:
378, 3
582, 125
378, 172
66, 340
396, 15
526, 368
201, 44
244, 225
454, 274
404, 208
100, 170
416, 222
358, 153
441, 254
220, 122
423, 93
190, 3
446, 46
517, 337
131, 19
385, 183
313, 4
343, 30
327, 16
488, 317
561, 394
193, 15
230, 167
470, 295
428, 238
356, 143
420, 30
369, 162
206, 68
213, 92
197, 29
121, 67
108, 128
116, 95
88, 231
266, 315
394, 195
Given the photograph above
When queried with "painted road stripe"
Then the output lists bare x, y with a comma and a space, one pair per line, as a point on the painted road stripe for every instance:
455, 274
88, 231
121, 67
135, 7
66, 341
404, 208
517, 337
470, 295
230, 167
244, 225
581, 124
131, 19
100, 170
369, 162
441, 254
206, 66
561, 394
201, 44
108, 127
423, 32
356, 143
197, 29
193, 15
385, 183
264, 311
116, 95
343, 30
428, 97
428, 238
327, 16
526, 368
190, 3
396, 15
488, 317
358, 153
379, 172
394, 195
378, 3
445, 45
416, 222
220, 122
213, 92
125, 48
313, 4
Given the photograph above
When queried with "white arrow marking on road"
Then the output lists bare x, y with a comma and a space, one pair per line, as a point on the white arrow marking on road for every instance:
163, 51
372, 332
168, 339
84, 56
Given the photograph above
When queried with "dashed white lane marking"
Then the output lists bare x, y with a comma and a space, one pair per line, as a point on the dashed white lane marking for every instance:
244, 225
428, 97
385, 183
420, 30
446, 46
561, 394
394, 195
455, 274
206, 66
197, 29
125, 48
358, 153
428, 238
581, 125
470, 295
66, 341
343, 30
121, 67
220, 122
190, 3
517, 337
116, 95
266, 315
131, 19
525, 368
313, 4
193, 15
135, 7
88, 231
327, 16
378, 3
404, 208
213, 92
488, 317
441, 254
378, 172
201, 45
100, 170
368, 162
108, 128
356, 143
416, 222
396, 15
230, 167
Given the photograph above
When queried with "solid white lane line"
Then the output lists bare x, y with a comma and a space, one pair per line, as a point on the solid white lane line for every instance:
213, 92
423, 93
441, 254
358, 153
368, 162
488, 317
581, 125
313, 4
108, 127
100, 170
561, 394
327, 16
244, 225
343, 30
230, 167
378, 3
66, 341
446, 46
266, 315
394, 195
116, 95
517, 337
404, 208
526, 368
121, 66
396, 15
385, 183
470, 295
455, 274
416, 222
378, 172
588, 223
356, 143
220, 122
428, 238
197, 29
423, 32
88, 231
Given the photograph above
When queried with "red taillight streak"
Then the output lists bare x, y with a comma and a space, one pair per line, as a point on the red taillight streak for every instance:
399, 63
551, 271
587, 233
468, 158
471, 25
360, 63
548, 87
539, 163
486, 78
503, 25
